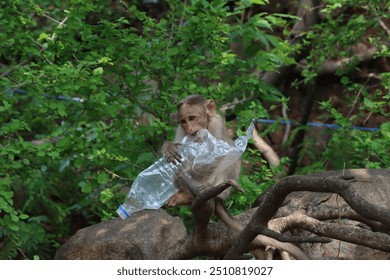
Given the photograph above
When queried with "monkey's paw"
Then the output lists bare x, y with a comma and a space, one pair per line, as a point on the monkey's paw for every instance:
179, 198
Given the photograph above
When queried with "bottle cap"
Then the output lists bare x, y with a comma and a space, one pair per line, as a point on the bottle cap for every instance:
122, 212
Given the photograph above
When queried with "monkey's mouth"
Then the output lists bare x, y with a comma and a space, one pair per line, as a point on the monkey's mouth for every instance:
190, 133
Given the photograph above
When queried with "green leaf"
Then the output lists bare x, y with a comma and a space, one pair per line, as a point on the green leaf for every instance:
102, 178
23, 216
3, 204
98, 71
85, 187
173, 51
7, 195
368, 103
61, 109
106, 196
345, 80
263, 23
13, 226
14, 217
260, 2
8, 222
385, 130
54, 154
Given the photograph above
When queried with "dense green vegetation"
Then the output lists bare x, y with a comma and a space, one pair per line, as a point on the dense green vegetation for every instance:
87, 89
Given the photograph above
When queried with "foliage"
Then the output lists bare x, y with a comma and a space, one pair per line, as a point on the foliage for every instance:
87, 89
351, 148
350, 27
86, 102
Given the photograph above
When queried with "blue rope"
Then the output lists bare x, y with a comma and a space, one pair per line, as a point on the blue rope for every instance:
314, 124
285, 122
60, 97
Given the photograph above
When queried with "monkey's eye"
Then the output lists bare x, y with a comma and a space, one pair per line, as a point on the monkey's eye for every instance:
192, 118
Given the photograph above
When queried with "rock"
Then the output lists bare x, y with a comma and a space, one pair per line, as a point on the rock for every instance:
146, 235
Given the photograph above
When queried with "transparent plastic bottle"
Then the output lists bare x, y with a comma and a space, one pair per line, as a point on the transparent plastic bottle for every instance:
151, 189
156, 184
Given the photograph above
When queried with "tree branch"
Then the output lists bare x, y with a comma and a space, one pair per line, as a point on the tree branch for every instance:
266, 150
272, 199
352, 234
300, 136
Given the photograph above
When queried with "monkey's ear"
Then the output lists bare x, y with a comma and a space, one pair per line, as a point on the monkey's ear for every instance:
211, 108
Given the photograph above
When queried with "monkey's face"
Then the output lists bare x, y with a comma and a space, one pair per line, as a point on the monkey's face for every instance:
192, 118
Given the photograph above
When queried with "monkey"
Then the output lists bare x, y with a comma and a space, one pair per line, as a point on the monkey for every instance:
194, 113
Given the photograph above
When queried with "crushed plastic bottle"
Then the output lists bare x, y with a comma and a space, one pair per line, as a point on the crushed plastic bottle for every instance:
156, 184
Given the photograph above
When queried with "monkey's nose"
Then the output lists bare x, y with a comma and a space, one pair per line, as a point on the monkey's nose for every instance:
190, 131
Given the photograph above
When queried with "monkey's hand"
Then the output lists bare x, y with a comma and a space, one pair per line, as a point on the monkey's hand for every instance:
170, 152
